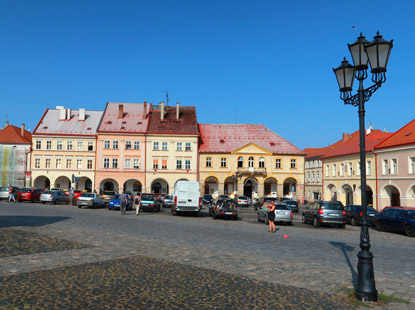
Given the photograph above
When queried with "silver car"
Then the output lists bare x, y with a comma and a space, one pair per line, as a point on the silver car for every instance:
91, 200
55, 197
167, 201
283, 213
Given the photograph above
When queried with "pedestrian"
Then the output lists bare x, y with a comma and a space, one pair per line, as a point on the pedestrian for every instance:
123, 202
12, 197
271, 216
137, 202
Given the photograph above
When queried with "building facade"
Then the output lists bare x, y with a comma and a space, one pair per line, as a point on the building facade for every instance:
313, 173
64, 144
249, 160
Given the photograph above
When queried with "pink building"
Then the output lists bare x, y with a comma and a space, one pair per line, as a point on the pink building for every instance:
121, 148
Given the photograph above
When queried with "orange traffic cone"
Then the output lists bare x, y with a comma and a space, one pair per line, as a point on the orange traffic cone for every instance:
285, 236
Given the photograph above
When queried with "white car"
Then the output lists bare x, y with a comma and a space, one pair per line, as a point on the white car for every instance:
55, 197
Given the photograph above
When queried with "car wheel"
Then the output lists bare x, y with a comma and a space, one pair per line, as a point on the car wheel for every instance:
79, 207
353, 221
380, 226
56, 202
289, 223
214, 216
342, 225
235, 218
43, 202
304, 219
409, 231
20, 200
316, 223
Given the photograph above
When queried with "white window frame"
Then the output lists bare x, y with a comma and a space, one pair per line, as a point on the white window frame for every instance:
106, 163
38, 145
278, 163
179, 164
394, 166
385, 166
136, 145
69, 145
188, 146
127, 163
164, 146
79, 163
107, 144
327, 170
208, 162
59, 145
37, 162
68, 164
89, 164
179, 146
136, 163
80, 145
368, 167
128, 145
49, 145
223, 162
114, 163
187, 164
293, 164
115, 145
262, 162
155, 146
411, 165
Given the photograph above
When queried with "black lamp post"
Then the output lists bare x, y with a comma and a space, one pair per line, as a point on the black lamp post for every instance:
377, 54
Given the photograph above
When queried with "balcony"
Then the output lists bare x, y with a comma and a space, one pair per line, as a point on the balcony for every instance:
251, 171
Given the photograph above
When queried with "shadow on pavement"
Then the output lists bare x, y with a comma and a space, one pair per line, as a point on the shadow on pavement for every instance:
22, 220
345, 248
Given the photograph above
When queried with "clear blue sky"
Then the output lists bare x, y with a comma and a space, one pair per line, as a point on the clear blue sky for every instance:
263, 62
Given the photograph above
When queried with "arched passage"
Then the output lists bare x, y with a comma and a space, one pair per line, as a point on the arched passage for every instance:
331, 193
393, 194
270, 186
290, 187
160, 186
348, 194
211, 185
41, 182
250, 187
109, 185
63, 182
133, 186
84, 184
229, 186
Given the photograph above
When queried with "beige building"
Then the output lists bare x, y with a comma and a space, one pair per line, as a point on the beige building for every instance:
249, 160
64, 144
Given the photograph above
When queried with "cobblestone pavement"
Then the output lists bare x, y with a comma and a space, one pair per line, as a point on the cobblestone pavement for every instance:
321, 261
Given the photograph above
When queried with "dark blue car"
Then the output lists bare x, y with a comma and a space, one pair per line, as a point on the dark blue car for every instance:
115, 202
397, 220
354, 214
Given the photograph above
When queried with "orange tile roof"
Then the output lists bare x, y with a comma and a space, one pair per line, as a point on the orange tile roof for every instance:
12, 135
352, 144
404, 136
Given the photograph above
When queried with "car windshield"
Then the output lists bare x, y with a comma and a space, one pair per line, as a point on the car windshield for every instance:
409, 214
4, 189
148, 198
25, 190
169, 197
116, 196
47, 192
332, 206
291, 202
270, 199
243, 197
109, 193
207, 196
88, 195
282, 207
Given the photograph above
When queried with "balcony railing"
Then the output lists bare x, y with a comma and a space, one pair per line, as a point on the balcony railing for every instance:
251, 171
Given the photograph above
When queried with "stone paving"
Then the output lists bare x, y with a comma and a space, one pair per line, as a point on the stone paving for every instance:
102, 248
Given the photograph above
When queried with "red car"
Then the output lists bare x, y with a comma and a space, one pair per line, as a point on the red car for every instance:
32, 194
77, 193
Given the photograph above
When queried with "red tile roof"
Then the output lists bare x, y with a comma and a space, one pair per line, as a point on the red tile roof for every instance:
352, 144
13, 135
404, 136
186, 124
225, 138
133, 118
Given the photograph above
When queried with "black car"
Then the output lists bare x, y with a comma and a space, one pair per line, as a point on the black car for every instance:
207, 199
293, 205
354, 214
325, 212
224, 208
397, 220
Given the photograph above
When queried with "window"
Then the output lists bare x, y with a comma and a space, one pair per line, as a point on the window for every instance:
188, 146
47, 163
341, 170
179, 146
278, 163
115, 163
368, 167
80, 146
48, 145
394, 166
106, 162
59, 145
311, 164
89, 164
90, 145
385, 166
79, 164
155, 163
164, 164
155, 146
164, 146
58, 163
358, 168
318, 177
261, 162
38, 145
411, 165
136, 145
307, 164
127, 163
179, 164
308, 177
106, 144
240, 162
68, 163
334, 170
223, 162
312, 178
37, 162
293, 163
136, 163
187, 164
208, 162
128, 145
251, 162
327, 170
115, 145
69, 145
350, 169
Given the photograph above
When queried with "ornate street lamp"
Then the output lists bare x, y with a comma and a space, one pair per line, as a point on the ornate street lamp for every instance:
377, 54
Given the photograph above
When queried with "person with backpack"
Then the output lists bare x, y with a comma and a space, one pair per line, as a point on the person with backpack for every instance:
137, 201
123, 203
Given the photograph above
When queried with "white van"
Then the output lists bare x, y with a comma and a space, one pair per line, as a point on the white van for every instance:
186, 197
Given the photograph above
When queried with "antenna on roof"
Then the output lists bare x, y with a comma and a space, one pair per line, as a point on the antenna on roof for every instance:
167, 98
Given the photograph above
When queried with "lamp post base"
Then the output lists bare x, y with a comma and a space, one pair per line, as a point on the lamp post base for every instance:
366, 289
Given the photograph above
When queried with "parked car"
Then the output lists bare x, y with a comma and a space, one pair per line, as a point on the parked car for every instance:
224, 208
115, 202
396, 219
5, 191
354, 214
243, 201
108, 195
31, 194
167, 201
283, 213
207, 199
77, 193
263, 200
187, 198
92, 200
293, 205
325, 212
149, 202
284, 199
55, 197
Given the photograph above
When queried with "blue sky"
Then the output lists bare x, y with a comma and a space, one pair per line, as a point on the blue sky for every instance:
261, 62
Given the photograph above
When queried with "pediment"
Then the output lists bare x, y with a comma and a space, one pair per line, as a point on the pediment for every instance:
251, 148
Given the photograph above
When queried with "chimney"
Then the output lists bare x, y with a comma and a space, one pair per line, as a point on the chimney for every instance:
81, 114
145, 110
68, 113
7, 124
177, 110
62, 114
120, 111
22, 131
162, 110
345, 136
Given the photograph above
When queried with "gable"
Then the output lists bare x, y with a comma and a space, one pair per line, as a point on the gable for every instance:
251, 148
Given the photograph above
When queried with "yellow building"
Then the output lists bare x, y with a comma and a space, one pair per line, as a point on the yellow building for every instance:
64, 144
249, 160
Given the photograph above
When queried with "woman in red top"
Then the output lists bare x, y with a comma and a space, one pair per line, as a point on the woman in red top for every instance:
271, 216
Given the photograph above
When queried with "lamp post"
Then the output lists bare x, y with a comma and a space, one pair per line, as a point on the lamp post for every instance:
377, 54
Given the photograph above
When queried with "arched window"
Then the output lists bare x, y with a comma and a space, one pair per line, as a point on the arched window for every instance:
262, 162
240, 162
251, 162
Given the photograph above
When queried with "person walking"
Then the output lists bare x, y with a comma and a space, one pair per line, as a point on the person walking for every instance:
123, 202
271, 216
137, 202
